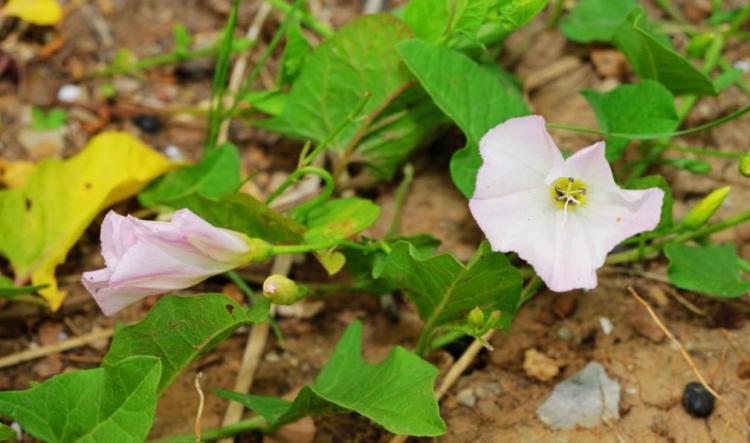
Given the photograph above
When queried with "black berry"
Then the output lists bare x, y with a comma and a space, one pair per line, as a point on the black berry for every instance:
147, 123
697, 401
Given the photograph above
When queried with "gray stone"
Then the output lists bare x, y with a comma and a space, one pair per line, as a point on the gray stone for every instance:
584, 399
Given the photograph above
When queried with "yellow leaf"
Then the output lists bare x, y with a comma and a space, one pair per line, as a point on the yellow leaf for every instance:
41, 220
38, 12
13, 174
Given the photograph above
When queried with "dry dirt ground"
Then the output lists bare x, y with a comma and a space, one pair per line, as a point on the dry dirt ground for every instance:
566, 328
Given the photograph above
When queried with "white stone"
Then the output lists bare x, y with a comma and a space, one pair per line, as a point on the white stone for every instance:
585, 399
69, 93
466, 397
606, 324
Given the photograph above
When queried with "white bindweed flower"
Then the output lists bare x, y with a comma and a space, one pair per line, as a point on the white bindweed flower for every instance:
562, 216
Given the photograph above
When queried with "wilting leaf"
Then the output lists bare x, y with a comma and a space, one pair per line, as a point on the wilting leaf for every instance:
44, 217
396, 394
179, 329
710, 269
444, 290
112, 403
38, 12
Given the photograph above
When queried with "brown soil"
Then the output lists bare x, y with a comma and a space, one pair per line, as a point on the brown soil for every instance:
652, 374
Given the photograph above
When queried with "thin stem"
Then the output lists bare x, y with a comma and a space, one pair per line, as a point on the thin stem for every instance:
655, 136
238, 45
530, 290
739, 20
741, 83
668, 7
242, 284
280, 32
306, 18
306, 160
300, 249
709, 152
403, 189
554, 17
251, 424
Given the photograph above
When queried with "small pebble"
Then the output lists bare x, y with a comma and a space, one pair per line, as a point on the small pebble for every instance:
174, 153
539, 366
606, 324
565, 333
147, 123
645, 326
466, 397
697, 401
69, 93
272, 357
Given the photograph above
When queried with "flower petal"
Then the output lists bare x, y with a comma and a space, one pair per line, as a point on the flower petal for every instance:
523, 222
590, 232
220, 244
117, 235
588, 165
517, 156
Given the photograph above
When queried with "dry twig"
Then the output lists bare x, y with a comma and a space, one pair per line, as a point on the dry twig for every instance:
201, 400
74, 342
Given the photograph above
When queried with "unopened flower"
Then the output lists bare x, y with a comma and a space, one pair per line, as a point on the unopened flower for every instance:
150, 257
281, 290
706, 208
561, 216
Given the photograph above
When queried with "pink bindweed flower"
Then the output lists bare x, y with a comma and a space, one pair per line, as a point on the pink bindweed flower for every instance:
150, 257
562, 216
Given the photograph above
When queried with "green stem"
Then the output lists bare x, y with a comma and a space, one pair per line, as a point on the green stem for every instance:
165, 59
741, 83
294, 176
310, 21
638, 253
655, 136
709, 152
403, 189
306, 160
530, 290
256, 423
668, 7
739, 20
554, 17
300, 249
248, 82
242, 284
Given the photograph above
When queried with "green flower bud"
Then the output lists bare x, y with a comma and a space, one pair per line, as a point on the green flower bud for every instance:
744, 165
281, 290
706, 208
475, 319
260, 250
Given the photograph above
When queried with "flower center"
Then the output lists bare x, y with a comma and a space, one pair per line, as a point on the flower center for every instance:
567, 192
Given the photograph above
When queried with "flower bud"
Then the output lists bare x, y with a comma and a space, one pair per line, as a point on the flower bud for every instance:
701, 212
281, 290
475, 319
744, 165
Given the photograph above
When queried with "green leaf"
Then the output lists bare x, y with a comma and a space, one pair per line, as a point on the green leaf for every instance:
444, 290
358, 60
397, 394
643, 108
657, 181
9, 290
596, 20
403, 126
295, 52
270, 102
710, 269
339, 219
41, 121
7, 433
217, 173
472, 96
108, 404
179, 329
515, 13
241, 212
182, 39
439, 20
651, 59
